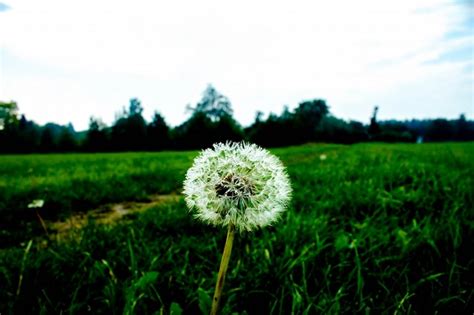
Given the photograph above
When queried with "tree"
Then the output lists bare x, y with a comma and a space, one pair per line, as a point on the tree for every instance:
211, 121
275, 131
358, 132
158, 133
135, 107
8, 126
374, 127
28, 137
308, 115
129, 130
97, 139
67, 142
47, 142
464, 130
394, 131
227, 129
8, 114
195, 133
332, 129
258, 117
213, 104
440, 130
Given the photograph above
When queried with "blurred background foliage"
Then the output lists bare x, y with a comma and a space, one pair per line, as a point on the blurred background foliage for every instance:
211, 120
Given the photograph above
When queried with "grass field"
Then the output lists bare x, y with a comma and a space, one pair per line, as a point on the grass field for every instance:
372, 228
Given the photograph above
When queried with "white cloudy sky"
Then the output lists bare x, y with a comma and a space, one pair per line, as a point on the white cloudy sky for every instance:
64, 61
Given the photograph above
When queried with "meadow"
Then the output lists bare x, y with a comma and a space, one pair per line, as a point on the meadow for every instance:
371, 229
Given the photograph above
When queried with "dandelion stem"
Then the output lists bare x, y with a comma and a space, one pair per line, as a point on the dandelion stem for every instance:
42, 223
223, 269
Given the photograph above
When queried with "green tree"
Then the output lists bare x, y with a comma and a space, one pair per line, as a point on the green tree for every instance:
441, 130
8, 126
97, 139
462, 129
129, 132
213, 104
158, 133
135, 107
8, 114
308, 116
227, 129
29, 133
47, 141
211, 121
67, 141
374, 128
195, 133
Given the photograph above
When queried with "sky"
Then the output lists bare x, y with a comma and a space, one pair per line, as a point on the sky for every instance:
64, 61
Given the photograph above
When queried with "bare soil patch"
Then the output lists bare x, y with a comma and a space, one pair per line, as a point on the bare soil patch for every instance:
106, 214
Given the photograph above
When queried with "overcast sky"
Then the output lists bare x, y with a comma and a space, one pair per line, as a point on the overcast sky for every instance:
64, 61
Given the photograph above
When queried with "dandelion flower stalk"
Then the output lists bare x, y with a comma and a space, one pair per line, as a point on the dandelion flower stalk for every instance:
36, 204
239, 186
223, 269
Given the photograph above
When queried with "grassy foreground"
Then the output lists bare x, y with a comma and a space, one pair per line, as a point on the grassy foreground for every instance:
372, 229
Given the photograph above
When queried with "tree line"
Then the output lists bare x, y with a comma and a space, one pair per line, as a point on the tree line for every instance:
211, 120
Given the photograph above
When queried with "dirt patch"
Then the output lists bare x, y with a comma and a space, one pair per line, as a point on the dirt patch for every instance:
107, 214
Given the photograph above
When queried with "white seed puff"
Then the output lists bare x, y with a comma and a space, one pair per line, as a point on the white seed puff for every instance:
237, 183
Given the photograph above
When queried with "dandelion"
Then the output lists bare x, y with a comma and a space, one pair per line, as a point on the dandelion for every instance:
239, 186
323, 157
37, 203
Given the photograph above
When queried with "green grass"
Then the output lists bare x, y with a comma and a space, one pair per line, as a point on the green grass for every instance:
373, 228
77, 182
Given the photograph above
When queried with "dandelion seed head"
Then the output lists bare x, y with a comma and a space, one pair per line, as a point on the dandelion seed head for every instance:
37, 203
237, 183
